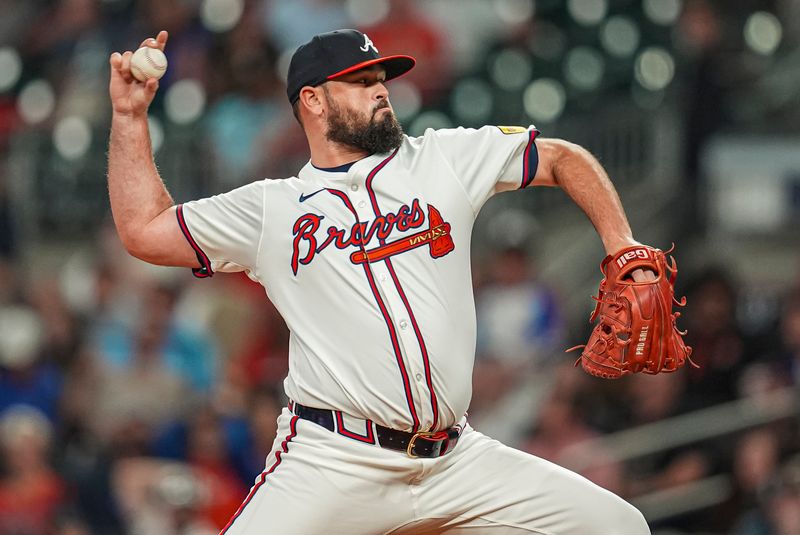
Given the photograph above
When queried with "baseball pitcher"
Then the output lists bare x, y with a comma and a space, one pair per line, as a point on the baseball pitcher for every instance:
366, 254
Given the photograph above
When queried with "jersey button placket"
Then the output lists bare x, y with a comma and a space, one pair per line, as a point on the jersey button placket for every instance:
408, 341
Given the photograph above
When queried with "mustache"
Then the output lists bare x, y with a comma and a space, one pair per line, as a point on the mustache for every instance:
381, 105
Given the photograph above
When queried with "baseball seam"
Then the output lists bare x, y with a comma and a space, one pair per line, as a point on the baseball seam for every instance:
152, 62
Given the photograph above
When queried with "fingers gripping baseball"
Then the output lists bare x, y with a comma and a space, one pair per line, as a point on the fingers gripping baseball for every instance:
128, 95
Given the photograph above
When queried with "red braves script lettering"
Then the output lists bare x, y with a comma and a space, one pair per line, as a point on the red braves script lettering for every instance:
306, 244
630, 255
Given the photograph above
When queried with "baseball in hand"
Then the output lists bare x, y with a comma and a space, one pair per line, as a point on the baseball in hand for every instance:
148, 62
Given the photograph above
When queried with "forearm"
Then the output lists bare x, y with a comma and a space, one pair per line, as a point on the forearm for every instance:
582, 177
135, 189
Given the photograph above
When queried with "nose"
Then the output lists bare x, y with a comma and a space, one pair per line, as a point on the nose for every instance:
381, 92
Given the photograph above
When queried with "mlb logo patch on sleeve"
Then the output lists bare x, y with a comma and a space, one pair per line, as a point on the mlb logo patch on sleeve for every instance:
512, 129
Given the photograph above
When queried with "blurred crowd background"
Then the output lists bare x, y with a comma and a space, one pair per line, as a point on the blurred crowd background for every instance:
138, 400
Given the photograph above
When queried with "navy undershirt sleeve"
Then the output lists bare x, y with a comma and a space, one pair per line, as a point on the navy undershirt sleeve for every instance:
533, 162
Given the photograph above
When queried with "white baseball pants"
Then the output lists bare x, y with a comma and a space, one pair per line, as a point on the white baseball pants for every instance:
319, 482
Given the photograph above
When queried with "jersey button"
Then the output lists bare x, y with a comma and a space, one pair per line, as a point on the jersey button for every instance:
354, 187
403, 324
383, 277
362, 204
418, 377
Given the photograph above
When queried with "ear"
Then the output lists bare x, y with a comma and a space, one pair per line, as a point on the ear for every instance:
313, 99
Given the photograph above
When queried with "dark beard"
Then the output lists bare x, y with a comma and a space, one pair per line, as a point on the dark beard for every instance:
374, 137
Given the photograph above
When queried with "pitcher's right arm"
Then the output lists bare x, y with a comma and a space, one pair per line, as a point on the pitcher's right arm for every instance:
143, 210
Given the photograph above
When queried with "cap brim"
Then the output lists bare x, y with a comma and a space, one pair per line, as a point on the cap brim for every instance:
395, 66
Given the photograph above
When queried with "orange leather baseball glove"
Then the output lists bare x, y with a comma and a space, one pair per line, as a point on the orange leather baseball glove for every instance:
636, 330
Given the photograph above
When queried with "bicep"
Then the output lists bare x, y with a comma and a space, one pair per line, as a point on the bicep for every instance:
163, 242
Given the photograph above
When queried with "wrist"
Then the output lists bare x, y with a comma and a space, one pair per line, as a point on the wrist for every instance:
616, 244
128, 126
123, 118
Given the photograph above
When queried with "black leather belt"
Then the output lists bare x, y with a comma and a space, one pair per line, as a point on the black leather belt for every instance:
422, 444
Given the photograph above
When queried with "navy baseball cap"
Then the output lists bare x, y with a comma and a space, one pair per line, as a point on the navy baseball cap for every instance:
332, 54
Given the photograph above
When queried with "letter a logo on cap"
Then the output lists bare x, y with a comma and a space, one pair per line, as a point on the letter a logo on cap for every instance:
368, 44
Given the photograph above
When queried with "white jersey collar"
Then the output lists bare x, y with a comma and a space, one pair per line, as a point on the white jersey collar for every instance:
360, 168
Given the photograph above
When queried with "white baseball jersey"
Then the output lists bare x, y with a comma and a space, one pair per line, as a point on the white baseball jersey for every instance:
370, 268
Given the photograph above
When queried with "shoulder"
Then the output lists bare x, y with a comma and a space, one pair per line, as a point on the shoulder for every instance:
272, 186
434, 139
443, 133
253, 194
471, 134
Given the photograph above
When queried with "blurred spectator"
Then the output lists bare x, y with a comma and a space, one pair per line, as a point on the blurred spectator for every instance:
560, 427
209, 443
705, 98
700, 37
755, 464
31, 492
225, 435
787, 356
62, 337
229, 448
717, 341
263, 356
85, 461
656, 398
407, 30
24, 378
285, 153
209, 455
243, 119
265, 407
143, 392
783, 507
184, 350
519, 326
293, 22
160, 497
519, 317
67, 22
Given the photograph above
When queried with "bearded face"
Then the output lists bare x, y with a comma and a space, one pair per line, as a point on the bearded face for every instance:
376, 133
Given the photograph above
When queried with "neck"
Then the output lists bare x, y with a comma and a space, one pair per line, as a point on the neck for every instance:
334, 154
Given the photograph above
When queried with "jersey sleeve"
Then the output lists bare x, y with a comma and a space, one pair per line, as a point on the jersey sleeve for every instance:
225, 230
490, 159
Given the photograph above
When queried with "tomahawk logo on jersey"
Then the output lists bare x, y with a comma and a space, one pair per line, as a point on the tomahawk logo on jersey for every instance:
309, 241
